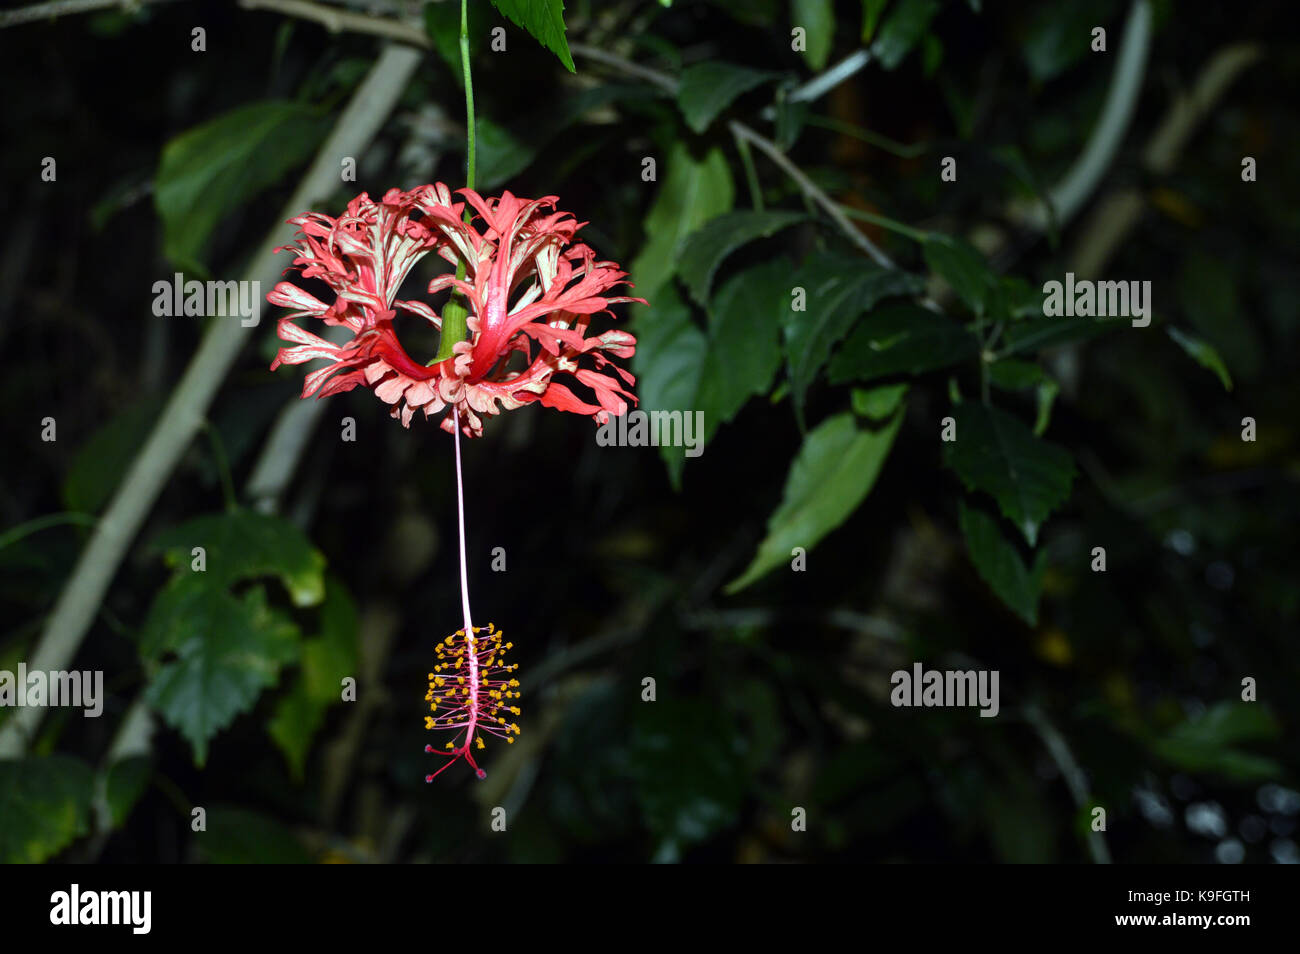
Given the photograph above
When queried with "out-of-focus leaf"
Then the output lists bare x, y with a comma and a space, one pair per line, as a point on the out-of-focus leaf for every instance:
1206, 743
123, 783
706, 248
1038, 334
685, 798
880, 402
898, 338
997, 454
1059, 36
326, 660
693, 192
871, 10
1207, 292
710, 87
1014, 375
902, 30
544, 19
1203, 354
963, 268
245, 545
817, 17
838, 289
442, 24
1000, 565
103, 459
213, 168
832, 474
236, 836
44, 806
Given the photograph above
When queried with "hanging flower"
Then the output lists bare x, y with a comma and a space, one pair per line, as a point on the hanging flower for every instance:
528, 288
470, 690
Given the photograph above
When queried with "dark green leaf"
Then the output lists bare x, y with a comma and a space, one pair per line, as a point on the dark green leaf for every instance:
963, 268
124, 782
44, 806
710, 87
228, 651
880, 402
838, 289
1203, 354
245, 545
902, 30
1038, 334
238, 837
669, 364
997, 454
692, 193
704, 250
211, 169
326, 660
1207, 742
999, 563
871, 10
1013, 375
103, 459
817, 17
899, 338
834, 471
544, 19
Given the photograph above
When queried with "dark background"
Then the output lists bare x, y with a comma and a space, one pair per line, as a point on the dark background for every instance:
776, 697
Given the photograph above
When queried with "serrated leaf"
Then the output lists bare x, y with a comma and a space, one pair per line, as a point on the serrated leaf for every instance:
997, 454
707, 88
1204, 354
693, 192
1000, 565
245, 545
228, 651
902, 30
838, 288
704, 250
207, 171
326, 660
832, 474
544, 19
817, 17
44, 806
901, 338
962, 267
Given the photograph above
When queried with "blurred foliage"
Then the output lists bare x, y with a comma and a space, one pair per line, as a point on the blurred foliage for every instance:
826, 380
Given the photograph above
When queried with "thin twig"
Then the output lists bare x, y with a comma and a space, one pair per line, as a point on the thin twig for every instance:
810, 189
61, 8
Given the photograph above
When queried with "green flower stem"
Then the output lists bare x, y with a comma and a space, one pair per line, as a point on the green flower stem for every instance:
455, 313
